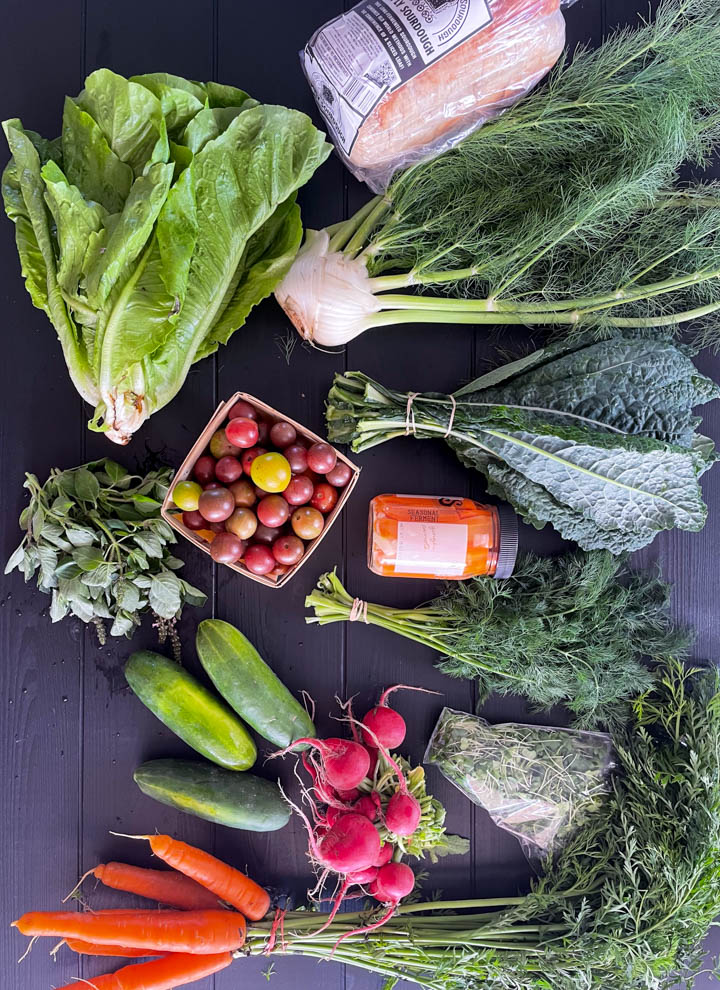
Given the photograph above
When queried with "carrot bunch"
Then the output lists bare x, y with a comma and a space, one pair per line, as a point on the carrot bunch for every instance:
195, 937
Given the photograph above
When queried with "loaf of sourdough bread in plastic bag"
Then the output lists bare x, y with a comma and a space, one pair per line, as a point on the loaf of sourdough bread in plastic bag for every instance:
398, 81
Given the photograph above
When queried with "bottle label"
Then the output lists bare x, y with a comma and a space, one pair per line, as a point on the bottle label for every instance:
441, 545
376, 47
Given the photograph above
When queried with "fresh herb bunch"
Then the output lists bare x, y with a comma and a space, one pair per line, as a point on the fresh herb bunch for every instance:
429, 838
595, 437
95, 537
626, 904
537, 782
569, 629
564, 211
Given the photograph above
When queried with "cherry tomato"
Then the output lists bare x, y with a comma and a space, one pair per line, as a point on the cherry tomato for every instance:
212, 484
227, 548
299, 490
260, 492
321, 458
278, 570
263, 431
193, 520
282, 434
259, 559
216, 504
307, 523
266, 534
204, 469
186, 495
324, 497
220, 446
249, 456
340, 475
216, 527
244, 409
243, 523
242, 431
228, 469
296, 457
243, 493
271, 472
288, 549
273, 511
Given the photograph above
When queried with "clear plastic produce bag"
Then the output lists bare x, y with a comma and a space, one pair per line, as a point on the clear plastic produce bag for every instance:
537, 782
398, 81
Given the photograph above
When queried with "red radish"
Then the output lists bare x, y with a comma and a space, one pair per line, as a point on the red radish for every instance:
363, 876
368, 805
403, 813
345, 762
349, 796
332, 815
393, 882
387, 727
385, 854
353, 843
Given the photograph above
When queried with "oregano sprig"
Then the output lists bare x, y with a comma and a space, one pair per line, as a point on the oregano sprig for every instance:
95, 538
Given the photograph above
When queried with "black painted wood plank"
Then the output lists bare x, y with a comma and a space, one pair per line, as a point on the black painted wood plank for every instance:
40, 676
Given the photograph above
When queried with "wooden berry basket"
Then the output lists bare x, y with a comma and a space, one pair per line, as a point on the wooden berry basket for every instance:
174, 518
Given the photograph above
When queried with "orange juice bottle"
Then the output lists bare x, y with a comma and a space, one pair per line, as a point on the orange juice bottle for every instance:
426, 536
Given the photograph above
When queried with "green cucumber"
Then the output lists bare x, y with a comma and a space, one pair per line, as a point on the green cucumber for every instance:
192, 711
249, 686
238, 800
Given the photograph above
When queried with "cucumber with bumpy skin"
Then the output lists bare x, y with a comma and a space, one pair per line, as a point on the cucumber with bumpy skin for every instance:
238, 800
249, 686
192, 712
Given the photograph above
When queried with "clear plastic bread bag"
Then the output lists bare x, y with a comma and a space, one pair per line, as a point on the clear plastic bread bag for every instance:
399, 81
537, 782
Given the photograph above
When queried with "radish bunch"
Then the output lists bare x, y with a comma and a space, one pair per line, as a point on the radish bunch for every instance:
362, 809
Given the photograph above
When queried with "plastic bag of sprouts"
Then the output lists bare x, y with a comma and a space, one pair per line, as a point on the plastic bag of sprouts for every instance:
537, 782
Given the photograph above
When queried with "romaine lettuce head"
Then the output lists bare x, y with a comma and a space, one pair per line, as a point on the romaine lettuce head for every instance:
149, 230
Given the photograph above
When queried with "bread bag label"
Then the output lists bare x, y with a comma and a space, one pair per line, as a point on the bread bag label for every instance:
354, 60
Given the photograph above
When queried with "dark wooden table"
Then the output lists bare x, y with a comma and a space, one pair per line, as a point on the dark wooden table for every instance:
71, 731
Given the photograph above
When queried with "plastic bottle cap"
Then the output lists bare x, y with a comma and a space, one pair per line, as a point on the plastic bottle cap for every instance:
508, 549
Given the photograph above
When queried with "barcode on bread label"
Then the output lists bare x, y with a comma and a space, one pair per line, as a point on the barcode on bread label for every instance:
362, 95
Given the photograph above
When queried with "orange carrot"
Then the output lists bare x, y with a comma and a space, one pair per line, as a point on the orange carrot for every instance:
94, 949
160, 974
227, 883
200, 932
166, 886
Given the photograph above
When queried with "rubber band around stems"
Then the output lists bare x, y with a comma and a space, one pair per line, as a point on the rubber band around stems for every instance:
358, 610
410, 414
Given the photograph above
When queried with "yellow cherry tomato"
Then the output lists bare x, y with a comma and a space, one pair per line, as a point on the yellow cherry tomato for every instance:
271, 472
186, 495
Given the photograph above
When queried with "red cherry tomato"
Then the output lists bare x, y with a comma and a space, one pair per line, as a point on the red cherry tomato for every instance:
288, 549
204, 469
299, 490
340, 475
259, 559
249, 456
296, 457
273, 511
278, 570
212, 484
243, 409
216, 504
266, 534
193, 520
324, 497
226, 548
242, 431
216, 527
228, 469
282, 434
321, 458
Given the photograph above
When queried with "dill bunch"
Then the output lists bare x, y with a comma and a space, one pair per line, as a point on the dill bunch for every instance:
564, 211
626, 904
571, 630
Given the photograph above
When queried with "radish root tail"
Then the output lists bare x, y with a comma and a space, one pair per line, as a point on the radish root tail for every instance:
78, 885
401, 687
